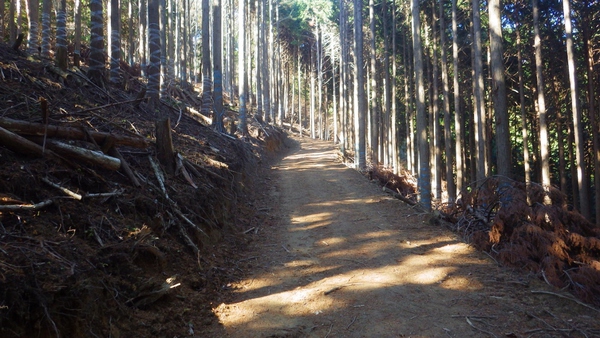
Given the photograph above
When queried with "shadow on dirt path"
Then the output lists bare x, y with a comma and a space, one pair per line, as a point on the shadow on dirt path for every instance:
347, 260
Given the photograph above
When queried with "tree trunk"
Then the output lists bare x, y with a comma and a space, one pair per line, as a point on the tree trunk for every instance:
437, 133
424, 181
143, 36
524, 117
479, 104
541, 102
359, 87
593, 114
242, 126
582, 179
374, 151
499, 90
153, 91
458, 144
450, 186
394, 107
217, 65
47, 28
77, 37
33, 37
206, 80
96, 62
115, 42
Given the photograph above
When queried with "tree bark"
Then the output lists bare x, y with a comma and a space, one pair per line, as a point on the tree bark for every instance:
450, 185
424, 181
479, 104
359, 87
217, 72
582, 179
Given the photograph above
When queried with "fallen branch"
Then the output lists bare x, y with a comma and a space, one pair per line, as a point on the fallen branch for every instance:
399, 196
17, 207
107, 106
181, 168
114, 152
565, 297
63, 189
159, 176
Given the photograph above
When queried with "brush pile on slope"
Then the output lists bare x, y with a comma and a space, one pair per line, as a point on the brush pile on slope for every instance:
533, 229
96, 237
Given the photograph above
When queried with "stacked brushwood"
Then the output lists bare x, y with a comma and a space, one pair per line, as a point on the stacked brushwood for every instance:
533, 228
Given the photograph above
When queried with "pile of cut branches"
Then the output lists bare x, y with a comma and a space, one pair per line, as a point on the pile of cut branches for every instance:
532, 228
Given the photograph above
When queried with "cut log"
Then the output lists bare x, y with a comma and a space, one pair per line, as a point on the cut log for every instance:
38, 129
83, 155
22, 145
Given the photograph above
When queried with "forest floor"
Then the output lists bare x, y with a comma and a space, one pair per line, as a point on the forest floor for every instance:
341, 258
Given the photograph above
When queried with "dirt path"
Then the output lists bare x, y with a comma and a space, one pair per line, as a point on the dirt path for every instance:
346, 260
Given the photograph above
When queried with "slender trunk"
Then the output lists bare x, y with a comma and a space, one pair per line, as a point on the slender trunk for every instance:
115, 41
359, 89
130, 46
450, 186
206, 79
394, 107
77, 37
299, 95
143, 36
242, 126
424, 176
154, 49
97, 60
33, 37
541, 102
458, 144
217, 65
499, 90
12, 27
437, 133
589, 52
577, 116
524, 117
374, 127
164, 44
479, 104
312, 93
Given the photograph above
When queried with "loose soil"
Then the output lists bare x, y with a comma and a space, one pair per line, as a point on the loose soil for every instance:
344, 259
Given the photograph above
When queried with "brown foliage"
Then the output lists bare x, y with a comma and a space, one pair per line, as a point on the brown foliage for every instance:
558, 244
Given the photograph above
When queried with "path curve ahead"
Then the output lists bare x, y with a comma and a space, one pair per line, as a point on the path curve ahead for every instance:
347, 260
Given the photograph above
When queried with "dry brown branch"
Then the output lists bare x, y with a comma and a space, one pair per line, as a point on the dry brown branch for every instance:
107, 106
17, 207
565, 297
63, 189
114, 152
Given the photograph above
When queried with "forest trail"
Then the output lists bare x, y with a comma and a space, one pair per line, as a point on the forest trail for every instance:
346, 260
